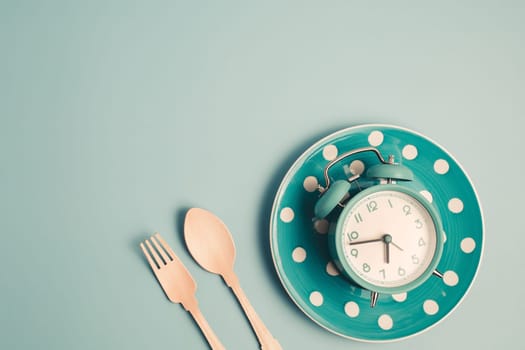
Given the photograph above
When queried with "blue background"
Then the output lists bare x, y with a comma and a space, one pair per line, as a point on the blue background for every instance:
117, 116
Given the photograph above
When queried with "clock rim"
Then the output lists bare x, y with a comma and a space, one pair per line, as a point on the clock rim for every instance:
349, 271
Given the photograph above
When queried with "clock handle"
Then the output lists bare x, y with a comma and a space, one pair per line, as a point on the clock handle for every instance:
346, 155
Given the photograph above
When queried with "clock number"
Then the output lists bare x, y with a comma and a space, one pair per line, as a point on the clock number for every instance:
358, 218
407, 209
415, 259
352, 235
354, 252
419, 223
383, 272
366, 267
372, 206
401, 271
390, 204
421, 242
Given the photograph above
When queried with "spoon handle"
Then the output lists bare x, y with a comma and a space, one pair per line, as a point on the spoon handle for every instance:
212, 339
266, 340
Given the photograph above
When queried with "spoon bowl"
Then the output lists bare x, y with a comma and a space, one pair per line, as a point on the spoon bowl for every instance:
209, 241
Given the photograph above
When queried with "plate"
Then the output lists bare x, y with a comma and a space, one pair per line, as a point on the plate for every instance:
299, 245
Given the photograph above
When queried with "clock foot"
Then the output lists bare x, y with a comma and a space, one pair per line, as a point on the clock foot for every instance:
437, 273
373, 298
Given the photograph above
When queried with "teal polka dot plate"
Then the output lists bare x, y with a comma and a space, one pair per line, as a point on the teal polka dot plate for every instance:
300, 249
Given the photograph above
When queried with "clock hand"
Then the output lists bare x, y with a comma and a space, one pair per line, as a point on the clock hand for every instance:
387, 239
367, 241
398, 247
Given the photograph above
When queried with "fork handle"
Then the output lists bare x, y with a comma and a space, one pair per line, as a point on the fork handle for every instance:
266, 340
212, 339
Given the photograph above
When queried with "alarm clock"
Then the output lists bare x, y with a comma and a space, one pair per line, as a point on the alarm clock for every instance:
385, 238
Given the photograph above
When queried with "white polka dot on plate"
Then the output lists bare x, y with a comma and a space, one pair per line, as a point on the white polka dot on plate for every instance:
441, 166
427, 195
455, 205
316, 298
357, 167
409, 152
450, 278
331, 269
310, 183
468, 245
352, 309
287, 214
385, 322
401, 297
430, 307
330, 152
375, 138
321, 226
299, 255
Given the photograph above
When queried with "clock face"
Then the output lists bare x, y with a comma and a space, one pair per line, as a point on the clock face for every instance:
389, 240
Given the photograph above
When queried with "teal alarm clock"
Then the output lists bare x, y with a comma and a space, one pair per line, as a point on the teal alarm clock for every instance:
385, 238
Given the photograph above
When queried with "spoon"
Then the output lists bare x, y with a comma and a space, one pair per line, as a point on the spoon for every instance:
211, 245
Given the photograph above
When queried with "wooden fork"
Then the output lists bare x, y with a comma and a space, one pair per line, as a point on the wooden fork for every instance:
177, 283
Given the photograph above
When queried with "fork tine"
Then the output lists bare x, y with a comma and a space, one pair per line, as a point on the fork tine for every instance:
150, 260
159, 249
166, 247
156, 256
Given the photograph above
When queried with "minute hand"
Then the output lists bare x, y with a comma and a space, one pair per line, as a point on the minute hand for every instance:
367, 241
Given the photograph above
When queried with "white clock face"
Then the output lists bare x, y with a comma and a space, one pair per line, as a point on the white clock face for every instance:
389, 238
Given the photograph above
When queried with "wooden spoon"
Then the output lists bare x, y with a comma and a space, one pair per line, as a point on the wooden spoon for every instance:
211, 245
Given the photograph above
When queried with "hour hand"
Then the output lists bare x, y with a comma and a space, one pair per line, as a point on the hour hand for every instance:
367, 241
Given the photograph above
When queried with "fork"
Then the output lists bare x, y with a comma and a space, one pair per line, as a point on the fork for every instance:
177, 283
